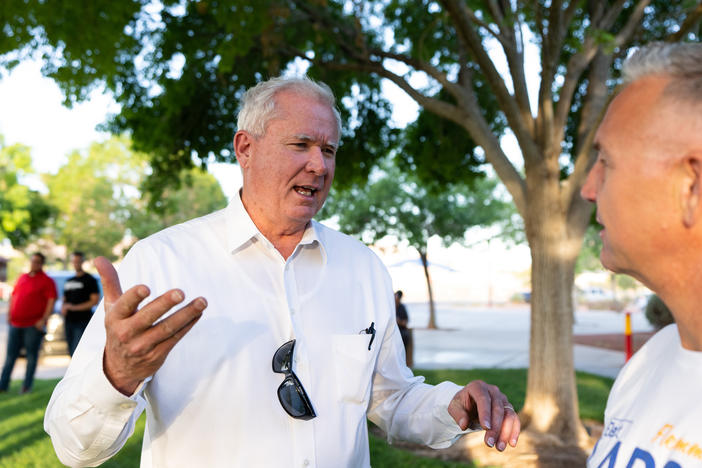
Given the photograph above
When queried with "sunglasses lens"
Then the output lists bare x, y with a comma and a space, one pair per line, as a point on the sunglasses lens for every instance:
292, 396
282, 357
290, 399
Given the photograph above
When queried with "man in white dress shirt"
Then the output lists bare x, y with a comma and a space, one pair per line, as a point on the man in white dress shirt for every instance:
647, 183
298, 345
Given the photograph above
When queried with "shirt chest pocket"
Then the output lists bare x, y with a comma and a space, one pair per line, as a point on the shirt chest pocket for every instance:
353, 367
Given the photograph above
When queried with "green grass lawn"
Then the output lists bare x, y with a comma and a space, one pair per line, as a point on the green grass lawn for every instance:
24, 444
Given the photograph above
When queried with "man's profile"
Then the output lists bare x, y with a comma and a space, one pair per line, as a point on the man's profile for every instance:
647, 184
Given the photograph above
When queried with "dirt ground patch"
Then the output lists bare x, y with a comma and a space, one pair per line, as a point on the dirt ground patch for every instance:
533, 450
613, 341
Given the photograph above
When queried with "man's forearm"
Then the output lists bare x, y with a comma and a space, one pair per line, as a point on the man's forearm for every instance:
49, 309
85, 306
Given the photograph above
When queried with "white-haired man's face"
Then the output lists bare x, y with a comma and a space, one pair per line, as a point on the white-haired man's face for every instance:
289, 170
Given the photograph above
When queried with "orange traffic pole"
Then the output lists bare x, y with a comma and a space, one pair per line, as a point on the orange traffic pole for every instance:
627, 335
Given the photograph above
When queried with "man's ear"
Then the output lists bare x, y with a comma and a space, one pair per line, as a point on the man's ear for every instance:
242, 147
691, 189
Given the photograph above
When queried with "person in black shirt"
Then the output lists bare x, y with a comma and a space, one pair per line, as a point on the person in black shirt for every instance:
402, 320
80, 295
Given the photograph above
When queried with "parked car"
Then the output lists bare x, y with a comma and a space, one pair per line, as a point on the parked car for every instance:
55, 338
595, 295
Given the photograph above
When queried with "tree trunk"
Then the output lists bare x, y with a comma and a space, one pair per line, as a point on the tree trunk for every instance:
551, 404
432, 310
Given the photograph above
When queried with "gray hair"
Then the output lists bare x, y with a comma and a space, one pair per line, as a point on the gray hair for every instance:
682, 62
258, 105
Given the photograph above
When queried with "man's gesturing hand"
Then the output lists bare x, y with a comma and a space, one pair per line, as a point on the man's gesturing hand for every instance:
136, 343
481, 405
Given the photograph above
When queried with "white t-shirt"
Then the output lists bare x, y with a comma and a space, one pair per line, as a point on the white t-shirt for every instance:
654, 415
214, 401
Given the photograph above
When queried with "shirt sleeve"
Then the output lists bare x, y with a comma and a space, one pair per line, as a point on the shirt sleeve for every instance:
87, 419
51, 292
92, 285
404, 406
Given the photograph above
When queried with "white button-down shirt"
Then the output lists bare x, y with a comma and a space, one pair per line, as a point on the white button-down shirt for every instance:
214, 401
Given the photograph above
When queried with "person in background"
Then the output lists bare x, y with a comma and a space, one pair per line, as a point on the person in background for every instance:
298, 345
80, 295
647, 185
402, 319
30, 305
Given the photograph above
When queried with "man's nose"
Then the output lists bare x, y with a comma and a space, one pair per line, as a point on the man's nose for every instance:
316, 162
589, 188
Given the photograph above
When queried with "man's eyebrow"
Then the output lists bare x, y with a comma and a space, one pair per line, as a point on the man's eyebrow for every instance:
307, 138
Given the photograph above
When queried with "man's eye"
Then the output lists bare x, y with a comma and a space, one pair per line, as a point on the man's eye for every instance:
329, 151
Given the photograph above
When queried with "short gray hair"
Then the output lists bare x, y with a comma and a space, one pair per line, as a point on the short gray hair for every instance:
258, 105
682, 62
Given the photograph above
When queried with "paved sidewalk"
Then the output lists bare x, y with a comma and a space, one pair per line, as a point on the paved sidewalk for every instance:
469, 337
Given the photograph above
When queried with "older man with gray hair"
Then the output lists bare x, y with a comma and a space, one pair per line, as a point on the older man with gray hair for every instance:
647, 184
298, 345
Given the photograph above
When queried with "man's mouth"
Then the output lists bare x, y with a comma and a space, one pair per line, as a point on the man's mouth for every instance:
305, 190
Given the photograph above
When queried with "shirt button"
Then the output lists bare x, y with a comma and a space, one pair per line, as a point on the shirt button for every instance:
125, 405
306, 462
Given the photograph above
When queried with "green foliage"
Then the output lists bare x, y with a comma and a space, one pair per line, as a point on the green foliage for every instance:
99, 199
198, 193
439, 152
657, 313
179, 68
23, 212
384, 455
93, 192
396, 203
24, 442
593, 390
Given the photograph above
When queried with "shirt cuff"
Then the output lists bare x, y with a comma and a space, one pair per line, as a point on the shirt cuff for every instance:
451, 430
98, 389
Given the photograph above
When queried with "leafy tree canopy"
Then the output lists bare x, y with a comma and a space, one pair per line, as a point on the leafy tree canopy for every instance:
198, 193
23, 212
98, 197
92, 193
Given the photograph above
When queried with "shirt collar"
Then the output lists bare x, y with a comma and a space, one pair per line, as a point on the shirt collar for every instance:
241, 229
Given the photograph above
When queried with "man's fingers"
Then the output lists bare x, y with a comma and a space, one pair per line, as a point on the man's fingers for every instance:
480, 395
497, 414
110, 280
155, 309
126, 304
175, 325
511, 428
458, 412
165, 346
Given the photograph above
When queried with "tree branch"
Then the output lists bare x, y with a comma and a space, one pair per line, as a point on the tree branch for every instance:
576, 65
468, 118
691, 20
585, 153
430, 70
467, 34
474, 18
632, 23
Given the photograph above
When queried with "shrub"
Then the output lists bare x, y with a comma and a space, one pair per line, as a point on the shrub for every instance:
657, 313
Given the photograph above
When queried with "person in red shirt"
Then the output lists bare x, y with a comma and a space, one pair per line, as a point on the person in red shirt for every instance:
30, 305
